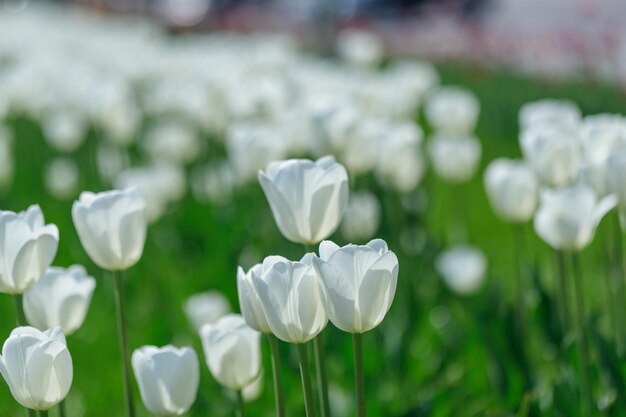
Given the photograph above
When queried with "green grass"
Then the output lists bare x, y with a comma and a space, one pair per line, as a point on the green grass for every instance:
436, 354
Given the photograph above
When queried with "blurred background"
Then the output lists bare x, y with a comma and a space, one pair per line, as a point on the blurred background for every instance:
188, 99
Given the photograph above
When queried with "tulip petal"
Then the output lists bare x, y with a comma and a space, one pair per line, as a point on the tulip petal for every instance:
281, 209
377, 291
327, 248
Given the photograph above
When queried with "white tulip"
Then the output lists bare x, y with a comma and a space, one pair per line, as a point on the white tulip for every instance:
61, 178
359, 283
172, 141
215, 182
249, 302
60, 299
602, 135
567, 218
307, 198
362, 217
292, 298
64, 130
168, 378
400, 162
549, 111
232, 351
512, 188
452, 110
112, 227
206, 308
462, 269
554, 153
253, 391
28, 247
111, 161
360, 47
454, 158
37, 367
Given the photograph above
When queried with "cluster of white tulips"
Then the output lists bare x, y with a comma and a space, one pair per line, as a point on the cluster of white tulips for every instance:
570, 177
352, 286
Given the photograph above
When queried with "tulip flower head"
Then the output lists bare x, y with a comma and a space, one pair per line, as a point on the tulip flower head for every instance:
232, 351
292, 298
37, 366
549, 111
307, 198
462, 269
567, 218
452, 110
112, 227
60, 299
168, 378
454, 158
512, 188
359, 283
206, 308
362, 217
28, 247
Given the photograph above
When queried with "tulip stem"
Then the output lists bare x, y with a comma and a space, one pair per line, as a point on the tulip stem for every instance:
20, 318
31, 413
62, 409
240, 409
322, 380
278, 386
359, 378
123, 340
563, 296
43, 413
586, 399
306, 379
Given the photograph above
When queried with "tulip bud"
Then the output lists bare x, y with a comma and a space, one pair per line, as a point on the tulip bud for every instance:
112, 227
232, 351
452, 110
60, 299
307, 198
249, 302
28, 247
554, 153
206, 308
567, 218
512, 189
37, 366
362, 217
168, 378
462, 269
292, 298
359, 283
454, 158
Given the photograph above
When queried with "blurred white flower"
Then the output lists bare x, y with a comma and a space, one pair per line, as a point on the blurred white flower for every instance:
6, 157
61, 177
462, 268
251, 147
567, 218
362, 217
400, 164
111, 160
172, 141
360, 47
206, 308
64, 129
61, 298
512, 188
454, 158
254, 390
549, 111
452, 110
215, 182
554, 153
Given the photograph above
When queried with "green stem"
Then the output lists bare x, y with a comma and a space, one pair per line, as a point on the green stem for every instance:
20, 317
586, 399
240, 408
123, 341
322, 379
563, 293
359, 379
43, 413
31, 413
62, 409
521, 287
618, 286
306, 379
278, 387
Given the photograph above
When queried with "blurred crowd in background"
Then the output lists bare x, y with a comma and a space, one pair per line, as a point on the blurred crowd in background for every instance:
554, 39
